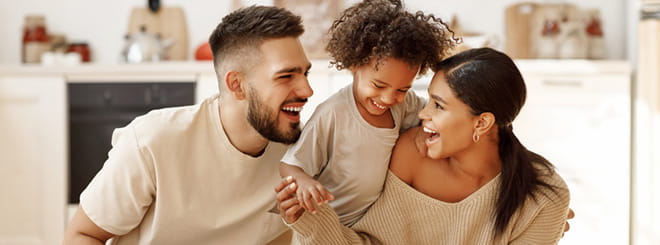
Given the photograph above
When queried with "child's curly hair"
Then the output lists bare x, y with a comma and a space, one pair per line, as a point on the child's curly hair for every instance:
377, 29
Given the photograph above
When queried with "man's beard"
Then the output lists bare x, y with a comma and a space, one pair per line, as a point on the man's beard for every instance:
264, 120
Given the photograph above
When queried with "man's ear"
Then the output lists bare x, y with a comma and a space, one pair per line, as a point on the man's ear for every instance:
484, 123
234, 82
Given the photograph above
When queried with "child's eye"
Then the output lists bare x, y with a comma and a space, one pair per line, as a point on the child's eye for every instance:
438, 106
403, 90
377, 86
284, 77
306, 73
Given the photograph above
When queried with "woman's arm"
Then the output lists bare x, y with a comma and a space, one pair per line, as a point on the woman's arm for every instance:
548, 225
324, 228
320, 228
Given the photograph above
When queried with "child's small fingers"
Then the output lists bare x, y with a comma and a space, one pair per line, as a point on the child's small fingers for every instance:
327, 196
309, 205
316, 196
301, 200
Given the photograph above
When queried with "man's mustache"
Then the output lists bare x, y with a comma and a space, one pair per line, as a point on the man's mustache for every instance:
295, 100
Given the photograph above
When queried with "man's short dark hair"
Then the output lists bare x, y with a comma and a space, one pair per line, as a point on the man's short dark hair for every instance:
243, 30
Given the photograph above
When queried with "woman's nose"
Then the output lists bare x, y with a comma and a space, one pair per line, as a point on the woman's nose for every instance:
423, 114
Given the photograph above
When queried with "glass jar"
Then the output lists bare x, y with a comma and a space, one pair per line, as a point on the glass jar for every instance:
35, 39
81, 48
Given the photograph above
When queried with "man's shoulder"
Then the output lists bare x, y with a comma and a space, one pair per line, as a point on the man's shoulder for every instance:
169, 123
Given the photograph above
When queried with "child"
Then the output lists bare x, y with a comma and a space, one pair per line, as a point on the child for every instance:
345, 147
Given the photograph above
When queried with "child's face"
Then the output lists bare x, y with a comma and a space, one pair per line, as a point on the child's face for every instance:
377, 90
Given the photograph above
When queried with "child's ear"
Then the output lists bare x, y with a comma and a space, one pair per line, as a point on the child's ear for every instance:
235, 82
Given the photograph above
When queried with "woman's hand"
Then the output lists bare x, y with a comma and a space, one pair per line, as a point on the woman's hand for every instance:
287, 203
567, 226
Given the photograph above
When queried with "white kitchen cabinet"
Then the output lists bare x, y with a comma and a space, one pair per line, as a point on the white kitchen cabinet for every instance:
207, 86
580, 121
32, 159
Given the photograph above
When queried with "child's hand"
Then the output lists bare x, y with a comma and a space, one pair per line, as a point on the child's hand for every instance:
311, 192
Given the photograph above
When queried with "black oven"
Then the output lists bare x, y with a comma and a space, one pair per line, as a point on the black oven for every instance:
96, 109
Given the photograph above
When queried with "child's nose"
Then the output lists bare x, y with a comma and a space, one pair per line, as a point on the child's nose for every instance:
389, 98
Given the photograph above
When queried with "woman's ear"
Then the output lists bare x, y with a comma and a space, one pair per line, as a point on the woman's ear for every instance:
484, 123
234, 82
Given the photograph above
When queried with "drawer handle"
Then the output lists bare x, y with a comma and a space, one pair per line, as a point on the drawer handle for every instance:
563, 83
107, 97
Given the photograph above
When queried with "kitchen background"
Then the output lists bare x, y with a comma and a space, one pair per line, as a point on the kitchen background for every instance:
103, 24
592, 72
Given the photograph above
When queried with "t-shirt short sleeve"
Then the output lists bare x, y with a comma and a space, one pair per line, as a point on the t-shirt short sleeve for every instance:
121, 193
412, 104
311, 150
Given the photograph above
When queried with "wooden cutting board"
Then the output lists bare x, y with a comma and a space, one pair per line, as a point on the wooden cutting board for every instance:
517, 30
170, 22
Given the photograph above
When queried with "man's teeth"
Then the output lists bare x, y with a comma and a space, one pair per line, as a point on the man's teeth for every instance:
294, 109
428, 130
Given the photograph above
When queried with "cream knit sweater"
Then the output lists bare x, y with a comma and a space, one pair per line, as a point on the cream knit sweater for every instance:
402, 215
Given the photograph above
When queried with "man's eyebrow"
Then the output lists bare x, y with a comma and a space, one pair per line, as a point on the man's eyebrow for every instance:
294, 69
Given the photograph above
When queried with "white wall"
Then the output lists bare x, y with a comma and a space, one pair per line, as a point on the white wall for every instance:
103, 23
487, 16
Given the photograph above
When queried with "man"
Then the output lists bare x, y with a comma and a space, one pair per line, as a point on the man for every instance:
204, 174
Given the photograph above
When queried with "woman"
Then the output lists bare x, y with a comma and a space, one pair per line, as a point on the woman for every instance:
462, 177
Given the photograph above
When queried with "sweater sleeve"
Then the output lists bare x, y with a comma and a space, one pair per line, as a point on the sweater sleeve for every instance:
324, 228
547, 226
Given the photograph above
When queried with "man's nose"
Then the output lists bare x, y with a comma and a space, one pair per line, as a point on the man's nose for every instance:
304, 90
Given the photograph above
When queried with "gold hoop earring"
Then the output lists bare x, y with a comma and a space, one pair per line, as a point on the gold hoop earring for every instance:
475, 137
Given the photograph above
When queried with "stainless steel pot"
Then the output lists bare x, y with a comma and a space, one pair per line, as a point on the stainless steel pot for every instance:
145, 47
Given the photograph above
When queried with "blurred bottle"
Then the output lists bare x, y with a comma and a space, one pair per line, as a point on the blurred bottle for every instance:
81, 48
35, 39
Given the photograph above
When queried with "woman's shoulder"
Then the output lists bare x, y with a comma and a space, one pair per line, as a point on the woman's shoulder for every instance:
406, 155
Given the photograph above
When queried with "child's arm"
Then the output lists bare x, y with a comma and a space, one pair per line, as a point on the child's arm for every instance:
309, 190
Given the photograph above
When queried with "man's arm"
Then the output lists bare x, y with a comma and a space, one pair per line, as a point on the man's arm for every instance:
82, 230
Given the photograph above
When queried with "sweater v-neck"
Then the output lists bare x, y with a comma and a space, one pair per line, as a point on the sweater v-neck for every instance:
401, 186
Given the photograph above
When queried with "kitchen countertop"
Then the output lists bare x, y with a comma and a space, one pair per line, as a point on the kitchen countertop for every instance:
177, 70
168, 67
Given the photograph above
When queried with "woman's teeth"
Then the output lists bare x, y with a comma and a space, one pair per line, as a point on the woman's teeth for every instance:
428, 130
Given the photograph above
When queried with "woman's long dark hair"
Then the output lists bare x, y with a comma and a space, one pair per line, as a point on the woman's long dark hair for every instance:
489, 81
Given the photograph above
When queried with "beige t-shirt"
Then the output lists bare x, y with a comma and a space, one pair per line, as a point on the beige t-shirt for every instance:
346, 154
173, 177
